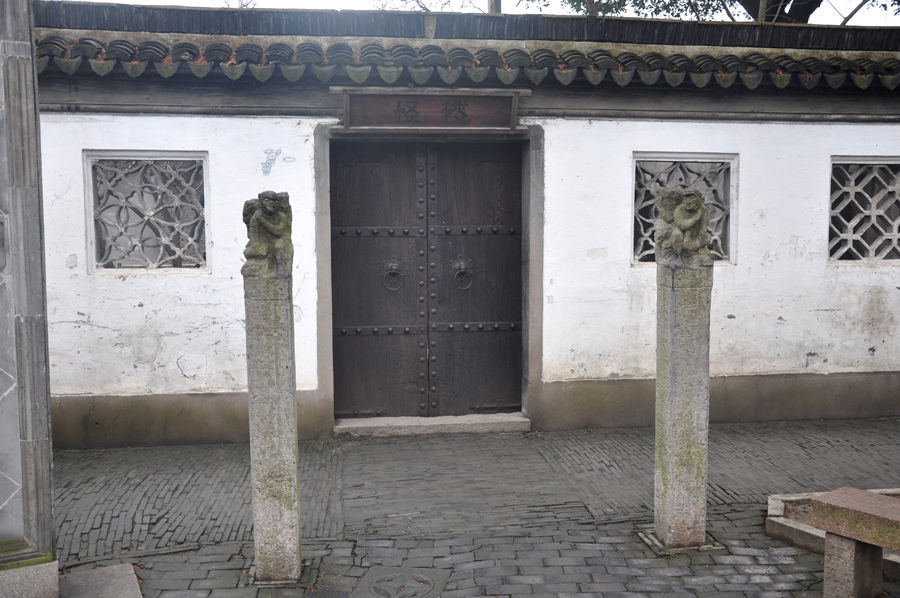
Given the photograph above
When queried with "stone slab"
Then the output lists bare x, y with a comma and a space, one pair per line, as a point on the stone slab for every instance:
118, 581
796, 507
35, 581
392, 427
395, 581
788, 520
860, 515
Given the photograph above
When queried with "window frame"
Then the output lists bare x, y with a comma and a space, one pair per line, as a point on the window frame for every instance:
733, 164
866, 160
91, 156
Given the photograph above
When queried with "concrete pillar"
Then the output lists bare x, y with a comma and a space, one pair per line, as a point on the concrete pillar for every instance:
27, 556
852, 569
274, 462
682, 403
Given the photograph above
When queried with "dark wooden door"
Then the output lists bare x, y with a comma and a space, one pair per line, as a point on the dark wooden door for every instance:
426, 274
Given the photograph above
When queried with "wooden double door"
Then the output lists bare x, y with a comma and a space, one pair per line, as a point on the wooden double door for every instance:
426, 278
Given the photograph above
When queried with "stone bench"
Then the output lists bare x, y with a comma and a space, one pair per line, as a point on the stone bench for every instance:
858, 526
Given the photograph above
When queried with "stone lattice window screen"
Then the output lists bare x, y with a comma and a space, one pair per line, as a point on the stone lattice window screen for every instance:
149, 213
865, 212
713, 179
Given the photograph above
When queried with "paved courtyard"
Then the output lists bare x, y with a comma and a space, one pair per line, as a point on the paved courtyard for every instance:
539, 514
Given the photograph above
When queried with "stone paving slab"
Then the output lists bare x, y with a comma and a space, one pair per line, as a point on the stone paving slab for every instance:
116, 581
401, 581
509, 515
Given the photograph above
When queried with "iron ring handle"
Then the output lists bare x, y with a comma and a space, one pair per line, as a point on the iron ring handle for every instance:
463, 271
388, 277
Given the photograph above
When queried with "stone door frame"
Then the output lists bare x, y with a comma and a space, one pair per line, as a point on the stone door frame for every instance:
29, 540
532, 139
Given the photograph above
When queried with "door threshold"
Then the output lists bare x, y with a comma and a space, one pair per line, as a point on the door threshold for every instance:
393, 427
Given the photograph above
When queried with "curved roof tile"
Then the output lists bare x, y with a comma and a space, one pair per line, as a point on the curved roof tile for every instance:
753, 67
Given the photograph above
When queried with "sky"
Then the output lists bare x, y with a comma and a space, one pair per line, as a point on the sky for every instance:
831, 12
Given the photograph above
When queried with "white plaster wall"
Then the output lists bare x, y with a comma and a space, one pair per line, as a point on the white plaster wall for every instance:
781, 307
168, 331
173, 332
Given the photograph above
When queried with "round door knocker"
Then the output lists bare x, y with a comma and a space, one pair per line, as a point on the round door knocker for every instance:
392, 274
463, 275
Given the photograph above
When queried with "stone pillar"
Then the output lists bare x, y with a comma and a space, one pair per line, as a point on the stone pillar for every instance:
274, 462
682, 404
27, 556
853, 569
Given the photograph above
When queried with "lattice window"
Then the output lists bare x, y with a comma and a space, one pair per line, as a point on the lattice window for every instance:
713, 179
865, 212
149, 213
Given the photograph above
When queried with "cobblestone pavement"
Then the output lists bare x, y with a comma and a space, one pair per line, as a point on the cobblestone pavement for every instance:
539, 514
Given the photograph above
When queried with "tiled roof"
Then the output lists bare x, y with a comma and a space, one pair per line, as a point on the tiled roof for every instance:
379, 47
432, 64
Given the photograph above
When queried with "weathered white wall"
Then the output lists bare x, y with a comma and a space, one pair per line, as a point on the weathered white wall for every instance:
793, 310
781, 307
167, 331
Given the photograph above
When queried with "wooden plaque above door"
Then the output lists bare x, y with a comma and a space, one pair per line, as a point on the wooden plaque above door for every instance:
472, 110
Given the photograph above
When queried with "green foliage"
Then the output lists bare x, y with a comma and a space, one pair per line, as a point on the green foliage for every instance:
778, 11
706, 10
786, 11
677, 9
604, 7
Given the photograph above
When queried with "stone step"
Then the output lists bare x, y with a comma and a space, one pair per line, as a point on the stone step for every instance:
392, 427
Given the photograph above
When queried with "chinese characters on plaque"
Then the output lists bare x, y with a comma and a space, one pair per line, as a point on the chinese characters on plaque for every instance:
407, 112
429, 111
454, 111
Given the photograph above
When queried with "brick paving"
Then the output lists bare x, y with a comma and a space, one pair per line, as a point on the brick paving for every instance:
539, 514
453, 485
747, 462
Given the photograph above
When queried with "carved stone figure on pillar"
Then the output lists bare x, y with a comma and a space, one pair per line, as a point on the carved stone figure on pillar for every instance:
269, 250
682, 230
271, 382
684, 278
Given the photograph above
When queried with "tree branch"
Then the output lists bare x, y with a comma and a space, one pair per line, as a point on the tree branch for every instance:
728, 12
751, 7
694, 8
592, 8
777, 11
854, 11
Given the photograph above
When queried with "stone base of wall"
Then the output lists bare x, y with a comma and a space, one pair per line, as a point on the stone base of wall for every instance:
628, 403
85, 422
82, 422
